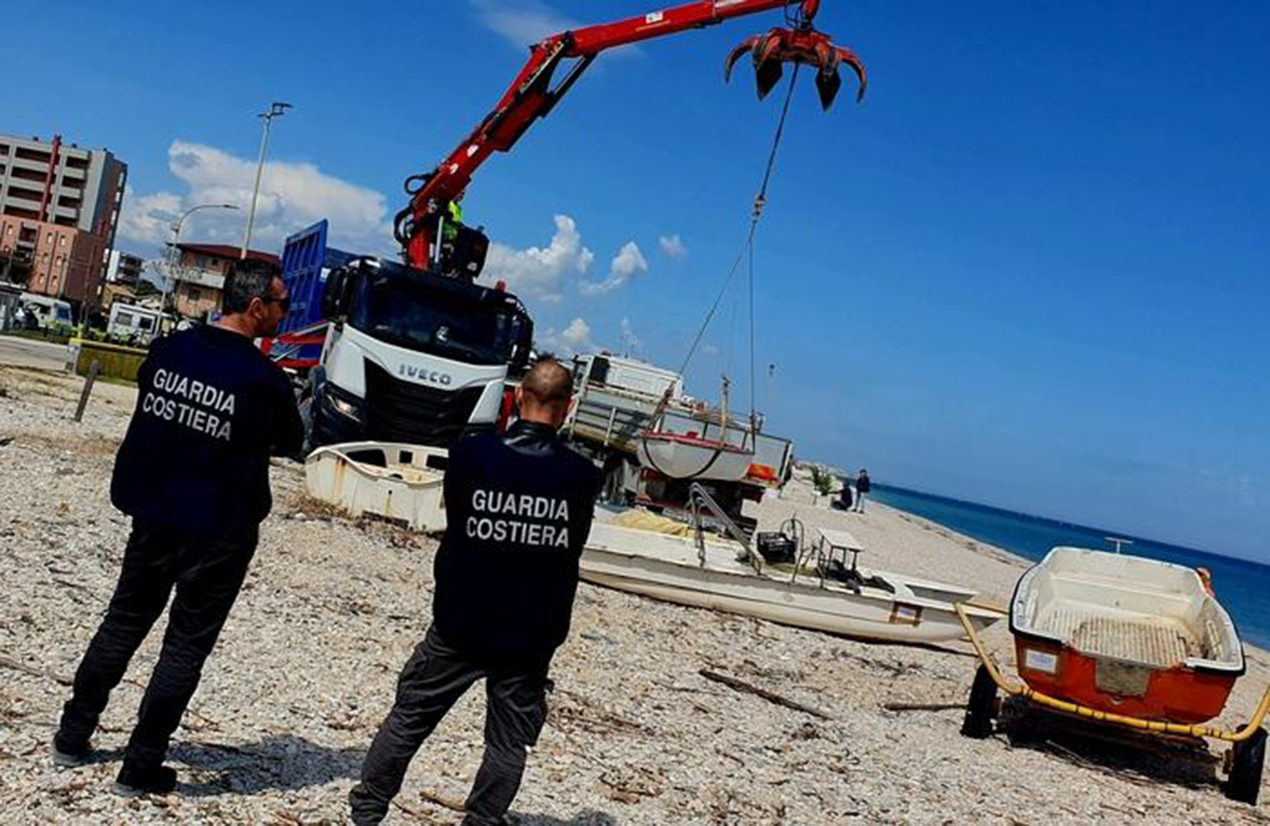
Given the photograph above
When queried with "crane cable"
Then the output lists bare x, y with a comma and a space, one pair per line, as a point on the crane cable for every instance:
760, 200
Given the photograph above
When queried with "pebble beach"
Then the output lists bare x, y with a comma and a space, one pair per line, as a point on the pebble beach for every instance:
306, 667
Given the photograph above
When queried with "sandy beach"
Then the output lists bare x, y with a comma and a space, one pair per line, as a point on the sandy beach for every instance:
306, 667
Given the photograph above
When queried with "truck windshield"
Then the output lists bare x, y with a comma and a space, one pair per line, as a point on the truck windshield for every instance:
431, 321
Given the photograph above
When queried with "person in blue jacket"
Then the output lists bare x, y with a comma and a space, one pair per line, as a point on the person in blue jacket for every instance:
518, 511
193, 473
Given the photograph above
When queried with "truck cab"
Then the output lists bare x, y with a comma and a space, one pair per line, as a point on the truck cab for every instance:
412, 356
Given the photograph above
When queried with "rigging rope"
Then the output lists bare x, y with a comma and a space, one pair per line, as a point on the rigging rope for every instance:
760, 201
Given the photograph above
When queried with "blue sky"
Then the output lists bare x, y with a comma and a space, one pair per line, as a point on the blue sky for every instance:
1030, 270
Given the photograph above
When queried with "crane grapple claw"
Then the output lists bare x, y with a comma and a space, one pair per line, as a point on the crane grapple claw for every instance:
769, 52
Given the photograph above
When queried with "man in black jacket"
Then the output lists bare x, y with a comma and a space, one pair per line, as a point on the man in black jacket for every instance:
193, 472
518, 511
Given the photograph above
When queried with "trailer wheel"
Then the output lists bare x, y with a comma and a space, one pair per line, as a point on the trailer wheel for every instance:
1244, 783
981, 706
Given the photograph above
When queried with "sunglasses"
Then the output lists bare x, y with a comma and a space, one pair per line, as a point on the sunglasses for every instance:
284, 302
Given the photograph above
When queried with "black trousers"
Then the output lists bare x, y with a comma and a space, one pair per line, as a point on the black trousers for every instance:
433, 679
207, 575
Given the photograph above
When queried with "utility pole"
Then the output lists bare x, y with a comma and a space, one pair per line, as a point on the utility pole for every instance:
276, 109
169, 283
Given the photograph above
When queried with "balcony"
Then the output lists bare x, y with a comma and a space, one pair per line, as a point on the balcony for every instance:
20, 162
22, 198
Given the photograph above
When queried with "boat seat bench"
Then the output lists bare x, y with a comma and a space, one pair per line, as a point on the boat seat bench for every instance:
1153, 641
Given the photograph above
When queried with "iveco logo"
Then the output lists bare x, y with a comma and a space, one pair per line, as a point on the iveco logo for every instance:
413, 371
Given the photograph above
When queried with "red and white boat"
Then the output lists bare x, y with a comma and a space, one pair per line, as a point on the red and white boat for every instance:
686, 456
1125, 635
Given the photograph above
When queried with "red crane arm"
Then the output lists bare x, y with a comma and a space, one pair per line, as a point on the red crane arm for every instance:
531, 96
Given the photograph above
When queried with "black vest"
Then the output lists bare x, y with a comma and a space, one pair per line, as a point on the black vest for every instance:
211, 408
518, 511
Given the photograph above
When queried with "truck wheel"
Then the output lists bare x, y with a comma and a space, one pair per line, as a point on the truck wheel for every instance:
1244, 783
981, 705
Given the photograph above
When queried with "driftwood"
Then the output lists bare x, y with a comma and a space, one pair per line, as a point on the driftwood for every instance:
415, 814
923, 706
14, 665
452, 805
771, 697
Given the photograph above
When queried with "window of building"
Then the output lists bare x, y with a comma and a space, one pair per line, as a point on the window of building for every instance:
33, 155
48, 239
28, 175
195, 294
77, 163
145, 322
24, 193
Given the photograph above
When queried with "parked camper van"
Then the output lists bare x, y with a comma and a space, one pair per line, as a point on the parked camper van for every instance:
47, 313
132, 323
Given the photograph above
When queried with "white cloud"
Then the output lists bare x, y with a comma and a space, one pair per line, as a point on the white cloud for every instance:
538, 271
523, 23
526, 22
710, 349
576, 338
578, 333
627, 264
631, 341
292, 196
672, 246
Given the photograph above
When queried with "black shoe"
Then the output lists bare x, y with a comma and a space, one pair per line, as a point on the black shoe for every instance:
67, 754
134, 782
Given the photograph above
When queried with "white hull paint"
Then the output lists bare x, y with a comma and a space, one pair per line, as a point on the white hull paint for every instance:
667, 568
679, 458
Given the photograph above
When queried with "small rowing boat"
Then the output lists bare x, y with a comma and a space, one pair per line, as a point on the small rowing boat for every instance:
1125, 634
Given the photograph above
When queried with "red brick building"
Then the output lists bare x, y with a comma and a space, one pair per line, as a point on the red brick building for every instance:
59, 209
200, 275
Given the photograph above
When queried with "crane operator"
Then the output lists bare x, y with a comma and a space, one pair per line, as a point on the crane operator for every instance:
519, 509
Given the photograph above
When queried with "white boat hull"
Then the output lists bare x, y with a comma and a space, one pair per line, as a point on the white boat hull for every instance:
398, 482
668, 568
679, 457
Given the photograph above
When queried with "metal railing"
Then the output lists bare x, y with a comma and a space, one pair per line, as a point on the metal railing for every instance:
698, 498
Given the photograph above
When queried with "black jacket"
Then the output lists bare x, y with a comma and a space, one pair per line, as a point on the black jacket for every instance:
211, 409
518, 511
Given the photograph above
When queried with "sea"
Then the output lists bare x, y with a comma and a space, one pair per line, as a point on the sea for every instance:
1243, 587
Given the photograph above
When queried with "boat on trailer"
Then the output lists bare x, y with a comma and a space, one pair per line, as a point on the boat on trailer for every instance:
1122, 646
722, 575
1125, 634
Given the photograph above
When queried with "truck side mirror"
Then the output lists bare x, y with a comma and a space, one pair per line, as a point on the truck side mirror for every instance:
334, 300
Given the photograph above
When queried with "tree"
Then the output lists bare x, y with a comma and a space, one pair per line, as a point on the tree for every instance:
822, 479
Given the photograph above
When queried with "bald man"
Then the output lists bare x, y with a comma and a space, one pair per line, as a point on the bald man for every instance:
518, 509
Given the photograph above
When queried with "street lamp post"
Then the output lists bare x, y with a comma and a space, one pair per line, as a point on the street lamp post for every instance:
275, 110
172, 253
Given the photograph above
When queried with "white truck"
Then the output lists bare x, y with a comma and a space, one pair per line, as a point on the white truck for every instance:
412, 357
616, 398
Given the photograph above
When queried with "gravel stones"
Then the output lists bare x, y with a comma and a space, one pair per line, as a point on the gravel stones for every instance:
306, 668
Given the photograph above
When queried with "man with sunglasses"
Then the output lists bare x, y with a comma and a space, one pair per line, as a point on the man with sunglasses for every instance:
193, 473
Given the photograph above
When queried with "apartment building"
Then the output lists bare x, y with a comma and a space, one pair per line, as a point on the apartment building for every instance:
59, 209
124, 268
200, 276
